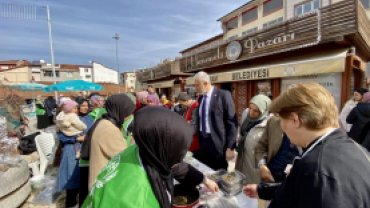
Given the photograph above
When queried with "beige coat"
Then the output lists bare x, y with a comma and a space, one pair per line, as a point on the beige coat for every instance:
69, 123
246, 161
270, 141
106, 142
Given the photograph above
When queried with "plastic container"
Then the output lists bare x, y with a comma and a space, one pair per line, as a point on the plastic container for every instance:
237, 179
233, 189
216, 175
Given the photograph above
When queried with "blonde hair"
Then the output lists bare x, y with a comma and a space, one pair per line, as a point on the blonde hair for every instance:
314, 105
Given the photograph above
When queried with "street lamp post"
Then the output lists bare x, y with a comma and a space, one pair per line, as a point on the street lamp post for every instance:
116, 36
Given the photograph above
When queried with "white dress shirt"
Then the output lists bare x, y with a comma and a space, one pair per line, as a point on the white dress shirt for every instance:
209, 95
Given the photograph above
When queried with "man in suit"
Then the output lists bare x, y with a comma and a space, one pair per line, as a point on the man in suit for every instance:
217, 124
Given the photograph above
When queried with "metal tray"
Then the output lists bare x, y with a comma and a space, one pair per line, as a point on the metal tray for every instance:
216, 175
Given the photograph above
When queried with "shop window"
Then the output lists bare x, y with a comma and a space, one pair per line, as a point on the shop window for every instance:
250, 15
203, 48
232, 24
365, 3
273, 22
255, 29
271, 6
307, 7
50, 74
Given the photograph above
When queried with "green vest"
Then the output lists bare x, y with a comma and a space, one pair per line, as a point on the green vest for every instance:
97, 113
122, 183
125, 133
40, 111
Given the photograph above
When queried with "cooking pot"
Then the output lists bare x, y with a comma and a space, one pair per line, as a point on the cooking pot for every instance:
190, 191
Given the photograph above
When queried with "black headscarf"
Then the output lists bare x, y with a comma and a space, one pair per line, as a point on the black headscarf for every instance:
118, 107
163, 139
80, 102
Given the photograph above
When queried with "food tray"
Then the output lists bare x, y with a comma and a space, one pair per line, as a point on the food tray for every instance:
235, 188
216, 176
233, 179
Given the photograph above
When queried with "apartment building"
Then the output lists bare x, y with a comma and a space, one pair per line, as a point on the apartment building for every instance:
63, 72
86, 73
128, 79
103, 74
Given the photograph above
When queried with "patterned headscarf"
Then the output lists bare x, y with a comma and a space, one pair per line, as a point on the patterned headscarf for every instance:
97, 101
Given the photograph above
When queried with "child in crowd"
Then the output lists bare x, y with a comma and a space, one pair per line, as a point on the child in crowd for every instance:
69, 123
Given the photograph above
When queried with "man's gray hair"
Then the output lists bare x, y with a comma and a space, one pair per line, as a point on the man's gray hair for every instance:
203, 77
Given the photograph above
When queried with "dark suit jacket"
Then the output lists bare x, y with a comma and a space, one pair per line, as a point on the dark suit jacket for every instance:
222, 122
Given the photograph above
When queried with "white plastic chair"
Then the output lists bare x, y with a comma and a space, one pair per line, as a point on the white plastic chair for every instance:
46, 147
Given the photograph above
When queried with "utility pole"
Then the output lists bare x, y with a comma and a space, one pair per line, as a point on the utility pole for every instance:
116, 36
51, 51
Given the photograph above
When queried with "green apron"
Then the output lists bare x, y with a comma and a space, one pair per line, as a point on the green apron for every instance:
125, 133
40, 111
97, 113
122, 183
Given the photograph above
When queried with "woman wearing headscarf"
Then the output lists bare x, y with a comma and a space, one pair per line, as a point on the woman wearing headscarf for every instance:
69, 171
141, 99
105, 139
41, 114
97, 107
152, 100
147, 168
253, 125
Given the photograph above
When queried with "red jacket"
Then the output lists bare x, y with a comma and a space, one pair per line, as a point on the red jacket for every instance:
195, 144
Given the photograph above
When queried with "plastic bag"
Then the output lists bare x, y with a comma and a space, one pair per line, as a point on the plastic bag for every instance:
46, 197
49, 194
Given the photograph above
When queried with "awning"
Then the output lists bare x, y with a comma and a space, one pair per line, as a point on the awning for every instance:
190, 81
164, 84
318, 63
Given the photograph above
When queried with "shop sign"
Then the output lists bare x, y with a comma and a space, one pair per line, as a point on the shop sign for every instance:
253, 43
331, 81
210, 59
233, 51
252, 74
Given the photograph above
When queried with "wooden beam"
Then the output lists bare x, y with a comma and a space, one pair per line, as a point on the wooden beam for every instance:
346, 81
276, 86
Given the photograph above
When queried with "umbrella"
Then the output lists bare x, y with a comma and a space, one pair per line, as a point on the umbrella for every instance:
73, 85
29, 87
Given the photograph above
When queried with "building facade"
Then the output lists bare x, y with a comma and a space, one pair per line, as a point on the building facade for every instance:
129, 80
15, 76
213, 42
12, 64
251, 17
103, 74
86, 73
63, 72
322, 41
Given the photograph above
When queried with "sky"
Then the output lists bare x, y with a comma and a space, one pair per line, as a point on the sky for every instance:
82, 30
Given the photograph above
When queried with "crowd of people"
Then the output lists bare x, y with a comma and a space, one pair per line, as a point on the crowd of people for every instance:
137, 141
